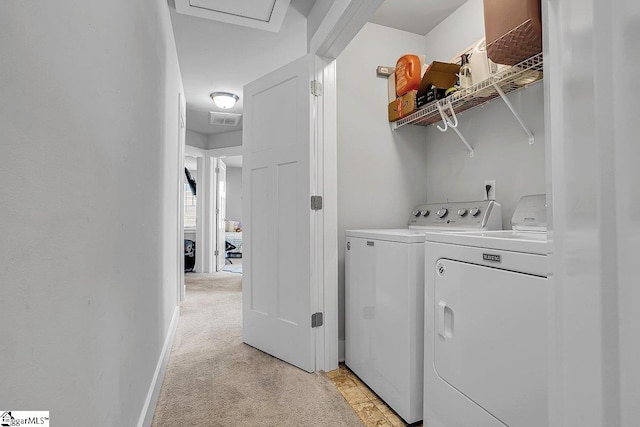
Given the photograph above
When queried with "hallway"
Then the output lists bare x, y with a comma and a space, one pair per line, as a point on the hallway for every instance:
213, 379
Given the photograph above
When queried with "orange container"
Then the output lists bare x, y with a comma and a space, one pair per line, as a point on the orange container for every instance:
408, 74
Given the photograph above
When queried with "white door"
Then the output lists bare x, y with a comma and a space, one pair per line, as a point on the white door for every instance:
221, 212
278, 221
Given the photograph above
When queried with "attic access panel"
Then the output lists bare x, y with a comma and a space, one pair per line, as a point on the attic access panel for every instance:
261, 14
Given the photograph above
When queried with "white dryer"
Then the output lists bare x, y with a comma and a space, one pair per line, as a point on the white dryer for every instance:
384, 299
486, 320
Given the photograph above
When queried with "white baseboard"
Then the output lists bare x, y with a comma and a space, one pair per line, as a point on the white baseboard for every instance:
340, 350
149, 408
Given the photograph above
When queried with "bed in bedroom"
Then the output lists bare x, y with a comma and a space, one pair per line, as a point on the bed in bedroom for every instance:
233, 240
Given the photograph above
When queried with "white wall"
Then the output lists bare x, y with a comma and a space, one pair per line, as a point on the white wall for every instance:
595, 377
315, 17
381, 174
196, 139
502, 150
89, 190
224, 140
234, 194
624, 184
502, 153
462, 28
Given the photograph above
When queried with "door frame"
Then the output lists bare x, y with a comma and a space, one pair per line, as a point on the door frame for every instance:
199, 154
342, 22
325, 135
220, 214
213, 156
206, 196
182, 137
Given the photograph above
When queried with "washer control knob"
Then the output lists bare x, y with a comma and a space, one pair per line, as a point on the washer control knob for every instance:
474, 211
462, 211
425, 212
442, 213
416, 213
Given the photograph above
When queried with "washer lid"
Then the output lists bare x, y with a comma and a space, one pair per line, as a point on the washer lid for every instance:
401, 235
533, 242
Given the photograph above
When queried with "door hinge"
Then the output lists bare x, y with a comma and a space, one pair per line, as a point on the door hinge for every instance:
316, 88
216, 252
217, 170
316, 320
316, 203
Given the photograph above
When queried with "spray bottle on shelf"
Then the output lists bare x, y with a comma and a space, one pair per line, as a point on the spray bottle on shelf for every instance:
465, 72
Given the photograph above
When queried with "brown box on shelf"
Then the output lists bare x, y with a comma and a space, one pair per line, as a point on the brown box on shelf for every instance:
402, 106
439, 74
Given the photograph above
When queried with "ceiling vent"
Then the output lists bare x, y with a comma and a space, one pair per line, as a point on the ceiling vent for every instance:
224, 119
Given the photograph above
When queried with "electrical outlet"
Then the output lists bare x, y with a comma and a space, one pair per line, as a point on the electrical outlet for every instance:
489, 189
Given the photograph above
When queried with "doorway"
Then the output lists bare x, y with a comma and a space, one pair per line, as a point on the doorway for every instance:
190, 209
212, 209
232, 237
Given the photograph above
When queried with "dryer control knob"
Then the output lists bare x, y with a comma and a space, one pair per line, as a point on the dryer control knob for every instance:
442, 213
474, 211
462, 211
416, 213
425, 212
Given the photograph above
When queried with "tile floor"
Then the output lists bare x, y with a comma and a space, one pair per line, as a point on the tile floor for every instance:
371, 410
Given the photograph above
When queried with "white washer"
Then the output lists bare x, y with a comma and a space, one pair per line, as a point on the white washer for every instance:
384, 299
485, 354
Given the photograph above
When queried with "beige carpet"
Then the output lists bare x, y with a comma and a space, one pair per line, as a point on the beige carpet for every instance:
213, 379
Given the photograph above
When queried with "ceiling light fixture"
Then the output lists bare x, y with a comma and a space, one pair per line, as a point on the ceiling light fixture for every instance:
224, 100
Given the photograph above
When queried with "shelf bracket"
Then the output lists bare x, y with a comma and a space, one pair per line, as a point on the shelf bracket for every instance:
515, 114
462, 138
453, 124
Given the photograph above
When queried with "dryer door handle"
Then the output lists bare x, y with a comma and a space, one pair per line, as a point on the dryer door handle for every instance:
445, 320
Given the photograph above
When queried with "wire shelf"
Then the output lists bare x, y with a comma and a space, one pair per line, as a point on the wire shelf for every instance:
510, 80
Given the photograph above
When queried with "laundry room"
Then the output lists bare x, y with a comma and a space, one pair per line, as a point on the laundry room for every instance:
561, 139
466, 169
383, 173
